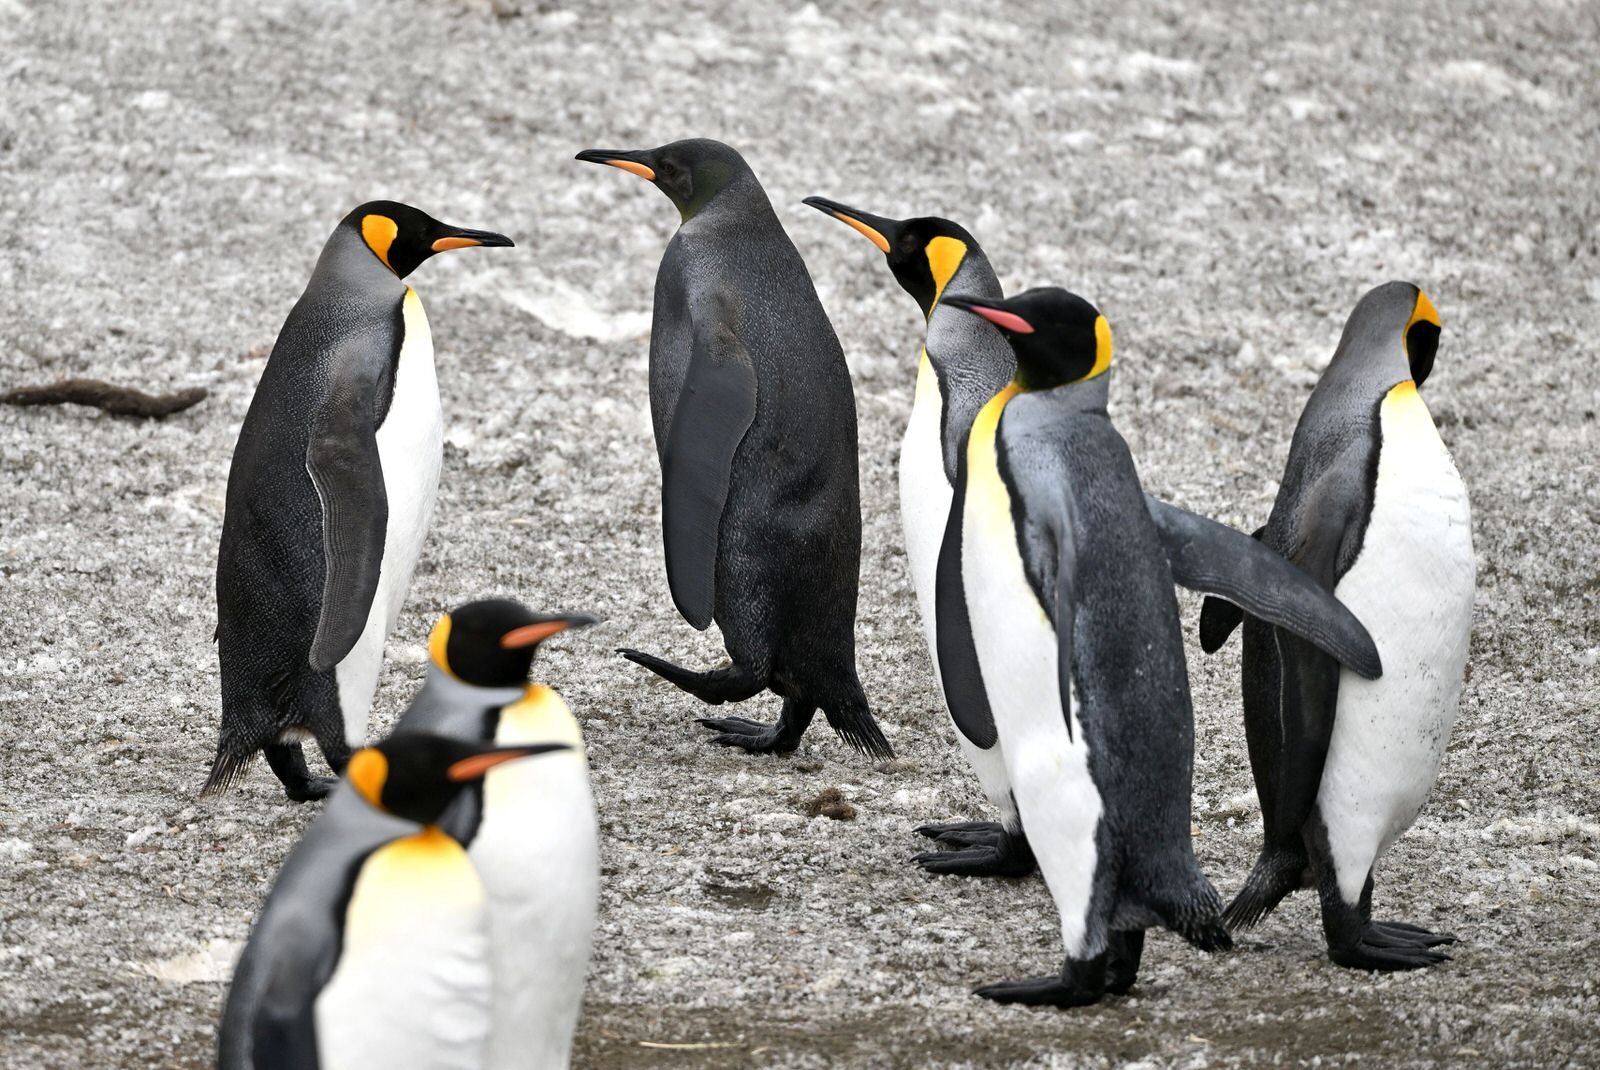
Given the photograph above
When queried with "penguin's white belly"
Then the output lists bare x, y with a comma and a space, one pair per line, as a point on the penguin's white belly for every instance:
537, 852
411, 452
925, 499
412, 984
1412, 586
1019, 657
925, 496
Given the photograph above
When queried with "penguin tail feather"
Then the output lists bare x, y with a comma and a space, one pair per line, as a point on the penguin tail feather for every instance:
1193, 911
1277, 872
226, 770
856, 726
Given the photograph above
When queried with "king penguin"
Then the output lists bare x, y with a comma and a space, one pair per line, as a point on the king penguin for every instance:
755, 428
329, 499
1076, 628
964, 362
372, 949
530, 828
1372, 506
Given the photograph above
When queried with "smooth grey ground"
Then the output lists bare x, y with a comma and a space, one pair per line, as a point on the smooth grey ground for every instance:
1223, 184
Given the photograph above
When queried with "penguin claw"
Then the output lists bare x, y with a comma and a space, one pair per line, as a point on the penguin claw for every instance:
1381, 947
311, 789
1399, 934
752, 736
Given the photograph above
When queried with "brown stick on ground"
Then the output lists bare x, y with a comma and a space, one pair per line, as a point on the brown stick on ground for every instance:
117, 400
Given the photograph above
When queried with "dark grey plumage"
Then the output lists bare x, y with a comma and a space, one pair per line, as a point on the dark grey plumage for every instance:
760, 496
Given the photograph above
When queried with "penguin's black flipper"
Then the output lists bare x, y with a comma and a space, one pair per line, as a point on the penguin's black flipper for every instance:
1219, 617
715, 408
269, 1018
1211, 557
342, 460
964, 694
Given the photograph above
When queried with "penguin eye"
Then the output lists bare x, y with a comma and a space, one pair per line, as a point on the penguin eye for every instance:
675, 176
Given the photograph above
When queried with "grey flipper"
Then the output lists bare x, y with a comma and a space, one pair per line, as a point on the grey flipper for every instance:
285, 1031
964, 694
342, 460
714, 410
1219, 617
1211, 557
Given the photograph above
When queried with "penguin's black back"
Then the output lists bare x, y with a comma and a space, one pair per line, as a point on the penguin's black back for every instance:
790, 536
270, 565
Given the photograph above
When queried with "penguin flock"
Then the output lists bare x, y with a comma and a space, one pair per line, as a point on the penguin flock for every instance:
439, 910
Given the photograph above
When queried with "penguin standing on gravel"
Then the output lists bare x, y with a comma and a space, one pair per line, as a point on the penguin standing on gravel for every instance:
329, 499
964, 363
1372, 506
755, 425
1076, 628
529, 828
373, 947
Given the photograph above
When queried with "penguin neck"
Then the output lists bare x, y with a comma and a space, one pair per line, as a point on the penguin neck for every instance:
1369, 361
1080, 395
450, 691
742, 195
348, 263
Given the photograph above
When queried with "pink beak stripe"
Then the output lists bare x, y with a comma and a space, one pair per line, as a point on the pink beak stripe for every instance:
1001, 318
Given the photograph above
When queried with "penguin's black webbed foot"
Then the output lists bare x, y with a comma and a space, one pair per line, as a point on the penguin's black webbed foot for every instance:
1078, 985
731, 683
1391, 946
981, 849
752, 736
958, 831
311, 789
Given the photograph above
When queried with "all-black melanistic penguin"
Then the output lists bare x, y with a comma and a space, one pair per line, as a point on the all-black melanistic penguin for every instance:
529, 828
964, 363
1076, 628
372, 949
329, 498
1372, 506
755, 427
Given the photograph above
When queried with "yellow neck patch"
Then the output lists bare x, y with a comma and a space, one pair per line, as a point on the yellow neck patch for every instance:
1423, 311
1102, 347
539, 716
368, 770
944, 258
438, 643
379, 231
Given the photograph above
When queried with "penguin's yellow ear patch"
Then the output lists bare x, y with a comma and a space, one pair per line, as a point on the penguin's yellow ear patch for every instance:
379, 231
944, 257
368, 770
1424, 312
1102, 347
439, 644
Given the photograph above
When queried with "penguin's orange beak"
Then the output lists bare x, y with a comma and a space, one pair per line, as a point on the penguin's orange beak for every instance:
619, 159
533, 634
477, 766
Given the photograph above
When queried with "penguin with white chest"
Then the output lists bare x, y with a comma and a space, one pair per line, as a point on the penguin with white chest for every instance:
329, 498
1372, 506
372, 950
964, 362
530, 829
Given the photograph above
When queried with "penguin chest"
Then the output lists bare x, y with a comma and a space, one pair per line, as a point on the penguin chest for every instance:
1412, 586
1019, 658
925, 494
412, 983
537, 852
411, 452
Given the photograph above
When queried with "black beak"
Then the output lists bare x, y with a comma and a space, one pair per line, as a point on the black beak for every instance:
637, 163
462, 238
877, 229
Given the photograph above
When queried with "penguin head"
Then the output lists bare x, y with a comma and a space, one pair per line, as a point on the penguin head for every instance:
924, 253
691, 173
403, 237
491, 643
415, 775
1058, 337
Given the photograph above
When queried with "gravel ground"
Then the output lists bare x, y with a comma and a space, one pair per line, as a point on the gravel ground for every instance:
1223, 185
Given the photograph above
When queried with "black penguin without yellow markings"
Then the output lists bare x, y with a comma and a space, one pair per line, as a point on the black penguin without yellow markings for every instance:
372, 948
329, 499
1372, 507
755, 426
